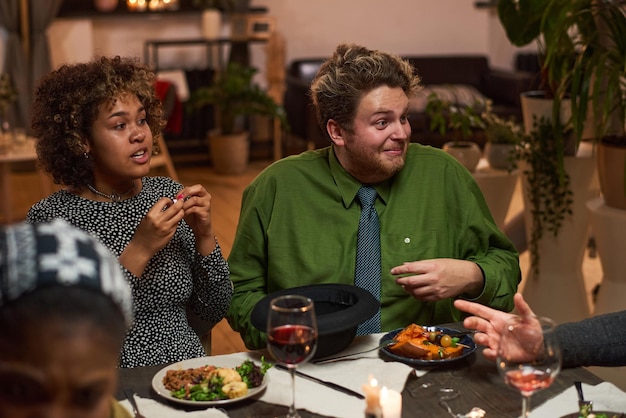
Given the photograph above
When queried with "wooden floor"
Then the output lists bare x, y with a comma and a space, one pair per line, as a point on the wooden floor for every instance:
226, 191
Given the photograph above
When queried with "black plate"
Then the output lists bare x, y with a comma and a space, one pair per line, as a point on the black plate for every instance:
465, 339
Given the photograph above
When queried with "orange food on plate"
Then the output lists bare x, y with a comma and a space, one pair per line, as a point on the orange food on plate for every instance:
416, 342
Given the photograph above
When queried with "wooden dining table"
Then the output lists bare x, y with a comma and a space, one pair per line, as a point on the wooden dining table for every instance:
475, 378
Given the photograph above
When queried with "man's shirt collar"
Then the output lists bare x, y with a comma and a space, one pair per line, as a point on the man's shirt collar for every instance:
348, 186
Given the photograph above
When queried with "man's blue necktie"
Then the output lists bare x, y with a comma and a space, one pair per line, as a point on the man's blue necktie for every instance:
368, 265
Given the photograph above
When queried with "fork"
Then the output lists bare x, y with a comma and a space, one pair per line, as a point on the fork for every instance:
130, 395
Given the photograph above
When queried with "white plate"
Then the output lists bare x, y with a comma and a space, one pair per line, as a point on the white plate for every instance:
159, 388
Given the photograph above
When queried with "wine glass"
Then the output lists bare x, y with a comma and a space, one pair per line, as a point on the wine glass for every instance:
529, 356
292, 336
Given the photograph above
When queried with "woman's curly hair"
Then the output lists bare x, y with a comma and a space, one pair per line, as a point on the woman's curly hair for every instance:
66, 105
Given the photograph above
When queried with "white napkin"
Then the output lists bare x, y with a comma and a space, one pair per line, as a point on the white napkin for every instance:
153, 409
605, 397
352, 374
312, 396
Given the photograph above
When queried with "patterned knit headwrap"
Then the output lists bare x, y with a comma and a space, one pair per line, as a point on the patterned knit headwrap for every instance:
34, 255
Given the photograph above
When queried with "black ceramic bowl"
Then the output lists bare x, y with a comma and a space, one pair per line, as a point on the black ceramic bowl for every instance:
339, 309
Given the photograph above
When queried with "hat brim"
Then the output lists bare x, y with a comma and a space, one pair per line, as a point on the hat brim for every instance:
339, 309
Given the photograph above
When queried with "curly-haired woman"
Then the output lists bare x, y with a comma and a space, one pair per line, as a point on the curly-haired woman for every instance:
96, 125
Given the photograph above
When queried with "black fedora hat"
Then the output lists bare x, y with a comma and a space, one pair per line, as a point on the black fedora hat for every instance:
339, 309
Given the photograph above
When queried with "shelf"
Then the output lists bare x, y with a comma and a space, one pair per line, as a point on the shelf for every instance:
489, 4
79, 9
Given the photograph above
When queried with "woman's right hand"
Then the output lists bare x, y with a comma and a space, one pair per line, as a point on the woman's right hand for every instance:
155, 230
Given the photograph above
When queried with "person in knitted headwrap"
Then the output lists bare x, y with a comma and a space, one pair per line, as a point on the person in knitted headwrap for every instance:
65, 308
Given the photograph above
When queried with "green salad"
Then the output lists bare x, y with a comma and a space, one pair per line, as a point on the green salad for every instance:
221, 383
586, 411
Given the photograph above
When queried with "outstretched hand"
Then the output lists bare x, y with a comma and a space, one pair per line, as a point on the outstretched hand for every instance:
491, 323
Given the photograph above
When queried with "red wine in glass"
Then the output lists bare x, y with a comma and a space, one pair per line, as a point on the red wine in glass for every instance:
529, 381
529, 356
292, 344
292, 336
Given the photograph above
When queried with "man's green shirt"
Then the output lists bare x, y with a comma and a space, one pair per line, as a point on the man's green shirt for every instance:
298, 226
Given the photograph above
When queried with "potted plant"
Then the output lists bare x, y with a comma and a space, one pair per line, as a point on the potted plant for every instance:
556, 223
233, 96
527, 21
596, 83
460, 123
547, 186
211, 19
502, 139
531, 21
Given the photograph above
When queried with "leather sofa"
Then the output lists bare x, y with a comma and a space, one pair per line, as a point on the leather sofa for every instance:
472, 73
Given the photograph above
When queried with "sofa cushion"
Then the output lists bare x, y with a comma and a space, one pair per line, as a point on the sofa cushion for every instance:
458, 94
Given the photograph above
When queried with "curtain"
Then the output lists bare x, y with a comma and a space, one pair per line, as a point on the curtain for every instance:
16, 64
42, 12
23, 75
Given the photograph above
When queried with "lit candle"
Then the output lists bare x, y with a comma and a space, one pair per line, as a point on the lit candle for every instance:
390, 403
372, 399
131, 5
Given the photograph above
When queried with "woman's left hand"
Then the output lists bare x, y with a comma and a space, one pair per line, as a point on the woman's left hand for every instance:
197, 208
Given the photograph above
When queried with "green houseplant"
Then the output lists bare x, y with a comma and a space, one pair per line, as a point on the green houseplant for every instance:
502, 138
548, 127
233, 96
596, 83
533, 21
548, 188
460, 123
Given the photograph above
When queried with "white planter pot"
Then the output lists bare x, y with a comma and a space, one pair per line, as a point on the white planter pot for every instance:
558, 291
466, 152
497, 187
211, 23
499, 155
534, 104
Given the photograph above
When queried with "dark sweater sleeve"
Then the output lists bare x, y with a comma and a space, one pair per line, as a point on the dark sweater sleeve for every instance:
596, 341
